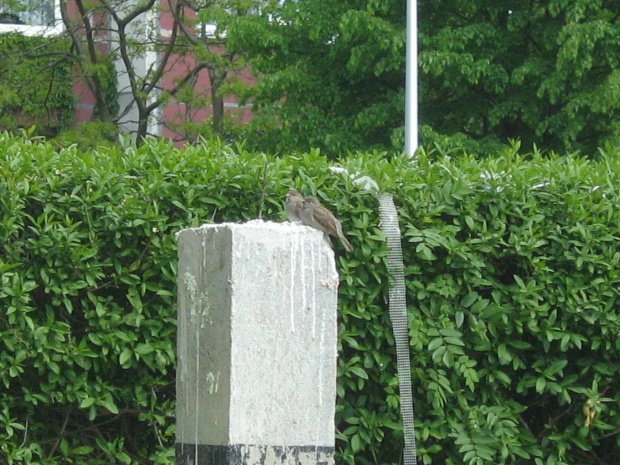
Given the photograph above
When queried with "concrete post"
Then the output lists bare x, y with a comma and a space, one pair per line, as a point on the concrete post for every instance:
257, 335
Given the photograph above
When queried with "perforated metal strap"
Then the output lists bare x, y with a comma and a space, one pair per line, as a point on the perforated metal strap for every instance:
400, 324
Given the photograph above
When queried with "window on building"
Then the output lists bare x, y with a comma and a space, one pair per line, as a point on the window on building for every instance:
210, 24
30, 17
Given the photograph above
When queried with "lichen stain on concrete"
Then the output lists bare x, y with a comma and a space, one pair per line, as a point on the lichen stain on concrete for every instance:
212, 382
189, 280
331, 284
199, 304
283, 455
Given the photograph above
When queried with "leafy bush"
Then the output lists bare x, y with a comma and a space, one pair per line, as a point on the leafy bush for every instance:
88, 136
512, 272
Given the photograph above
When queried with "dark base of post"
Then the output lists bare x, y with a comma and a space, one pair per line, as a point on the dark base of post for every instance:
241, 454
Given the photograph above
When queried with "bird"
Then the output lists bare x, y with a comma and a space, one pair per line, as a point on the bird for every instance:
292, 206
317, 216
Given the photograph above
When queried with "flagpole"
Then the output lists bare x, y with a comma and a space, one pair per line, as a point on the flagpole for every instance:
411, 80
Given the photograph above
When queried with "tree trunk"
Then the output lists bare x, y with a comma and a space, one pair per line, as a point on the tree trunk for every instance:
217, 100
88, 59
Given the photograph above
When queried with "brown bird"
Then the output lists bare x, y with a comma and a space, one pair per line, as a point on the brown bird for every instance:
316, 215
293, 205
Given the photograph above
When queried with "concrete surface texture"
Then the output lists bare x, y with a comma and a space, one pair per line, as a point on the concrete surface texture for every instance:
257, 341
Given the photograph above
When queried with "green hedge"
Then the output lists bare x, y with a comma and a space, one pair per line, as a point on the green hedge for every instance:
513, 277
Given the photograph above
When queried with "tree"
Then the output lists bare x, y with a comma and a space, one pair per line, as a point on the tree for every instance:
333, 73
145, 58
209, 46
35, 87
34, 72
136, 56
542, 72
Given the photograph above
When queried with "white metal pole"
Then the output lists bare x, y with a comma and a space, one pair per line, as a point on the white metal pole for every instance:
411, 80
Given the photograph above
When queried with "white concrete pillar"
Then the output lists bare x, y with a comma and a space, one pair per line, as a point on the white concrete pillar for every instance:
257, 341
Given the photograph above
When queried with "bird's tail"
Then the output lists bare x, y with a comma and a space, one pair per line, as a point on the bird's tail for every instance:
345, 243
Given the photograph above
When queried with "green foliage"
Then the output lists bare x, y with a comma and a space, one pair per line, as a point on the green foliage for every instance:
106, 73
203, 131
544, 73
332, 74
512, 276
87, 136
36, 83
